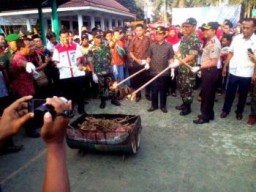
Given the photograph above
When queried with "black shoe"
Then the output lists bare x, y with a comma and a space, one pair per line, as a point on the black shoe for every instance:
180, 107
186, 110
102, 104
115, 102
211, 117
33, 134
152, 109
148, 97
11, 149
164, 110
200, 121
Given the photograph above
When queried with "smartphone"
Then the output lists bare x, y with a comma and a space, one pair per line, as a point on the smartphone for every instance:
250, 50
35, 104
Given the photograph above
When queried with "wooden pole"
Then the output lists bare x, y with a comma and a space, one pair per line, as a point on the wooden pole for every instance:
184, 63
132, 96
131, 76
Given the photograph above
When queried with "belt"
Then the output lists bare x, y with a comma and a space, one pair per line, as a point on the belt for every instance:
209, 68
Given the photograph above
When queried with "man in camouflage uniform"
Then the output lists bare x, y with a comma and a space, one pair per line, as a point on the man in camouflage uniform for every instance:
188, 52
99, 58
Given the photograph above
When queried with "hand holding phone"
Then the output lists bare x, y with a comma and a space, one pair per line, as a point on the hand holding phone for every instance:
250, 51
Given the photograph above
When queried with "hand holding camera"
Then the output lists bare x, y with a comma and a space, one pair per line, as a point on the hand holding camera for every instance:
40, 106
54, 128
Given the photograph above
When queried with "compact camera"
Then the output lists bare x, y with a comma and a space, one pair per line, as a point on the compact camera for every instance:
39, 108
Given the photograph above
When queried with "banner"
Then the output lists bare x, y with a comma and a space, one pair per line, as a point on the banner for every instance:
16, 21
207, 14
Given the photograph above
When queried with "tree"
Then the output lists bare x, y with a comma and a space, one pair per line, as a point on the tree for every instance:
133, 7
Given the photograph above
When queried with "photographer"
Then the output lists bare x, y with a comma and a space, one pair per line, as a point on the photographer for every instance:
52, 132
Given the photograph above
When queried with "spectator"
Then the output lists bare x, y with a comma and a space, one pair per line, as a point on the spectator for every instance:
117, 56
241, 69
51, 41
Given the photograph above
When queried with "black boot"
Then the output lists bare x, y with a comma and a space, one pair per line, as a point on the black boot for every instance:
186, 110
102, 102
115, 102
180, 107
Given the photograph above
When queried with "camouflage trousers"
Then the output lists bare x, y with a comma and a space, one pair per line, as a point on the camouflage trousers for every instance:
186, 82
105, 82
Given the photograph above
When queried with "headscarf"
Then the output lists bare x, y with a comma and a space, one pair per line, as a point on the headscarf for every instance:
175, 39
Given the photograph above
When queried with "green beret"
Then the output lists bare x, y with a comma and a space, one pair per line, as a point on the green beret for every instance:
12, 37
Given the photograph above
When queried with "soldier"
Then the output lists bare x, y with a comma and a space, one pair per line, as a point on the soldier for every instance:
188, 52
209, 60
100, 62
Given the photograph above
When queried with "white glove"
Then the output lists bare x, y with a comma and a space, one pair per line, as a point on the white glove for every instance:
115, 70
172, 73
174, 64
195, 69
199, 74
36, 75
95, 78
147, 66
30, 67
143, 62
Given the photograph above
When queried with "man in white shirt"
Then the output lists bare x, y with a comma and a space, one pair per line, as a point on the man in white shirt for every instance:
67, 57
241, 68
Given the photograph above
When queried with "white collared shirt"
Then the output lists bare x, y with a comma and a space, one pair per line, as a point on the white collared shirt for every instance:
240, 64
67, 57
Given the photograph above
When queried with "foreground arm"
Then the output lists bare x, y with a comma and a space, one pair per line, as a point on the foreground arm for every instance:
14, 117
53, 133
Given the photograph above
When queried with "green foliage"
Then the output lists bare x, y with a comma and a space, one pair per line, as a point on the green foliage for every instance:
133, 7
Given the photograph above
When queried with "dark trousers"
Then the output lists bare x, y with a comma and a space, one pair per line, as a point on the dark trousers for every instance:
234, 84
253, 102
139, 79
72, 88
160, 85
209, 84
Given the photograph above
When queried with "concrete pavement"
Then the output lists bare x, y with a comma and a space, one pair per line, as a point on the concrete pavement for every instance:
175, 156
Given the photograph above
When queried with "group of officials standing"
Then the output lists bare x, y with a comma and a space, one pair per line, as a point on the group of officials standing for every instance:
240, 65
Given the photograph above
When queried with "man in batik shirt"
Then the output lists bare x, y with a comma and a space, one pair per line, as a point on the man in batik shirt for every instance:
99, 58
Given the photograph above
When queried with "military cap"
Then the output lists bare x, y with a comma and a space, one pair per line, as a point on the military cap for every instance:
210, 25
12, 37
97, 33
191, 21
160, 30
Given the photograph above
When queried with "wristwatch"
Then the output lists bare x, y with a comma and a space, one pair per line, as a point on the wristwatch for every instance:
66, 114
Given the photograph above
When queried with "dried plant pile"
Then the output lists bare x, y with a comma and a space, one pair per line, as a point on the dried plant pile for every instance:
106, 125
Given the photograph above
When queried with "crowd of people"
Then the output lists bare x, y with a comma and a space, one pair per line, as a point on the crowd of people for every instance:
221, 58
218, 57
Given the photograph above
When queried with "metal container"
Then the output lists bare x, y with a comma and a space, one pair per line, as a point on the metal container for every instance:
117, 141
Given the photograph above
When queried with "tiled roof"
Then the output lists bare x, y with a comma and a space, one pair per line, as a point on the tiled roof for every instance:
110, 4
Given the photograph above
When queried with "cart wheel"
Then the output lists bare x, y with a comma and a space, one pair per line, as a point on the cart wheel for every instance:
133, 145
138, 138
